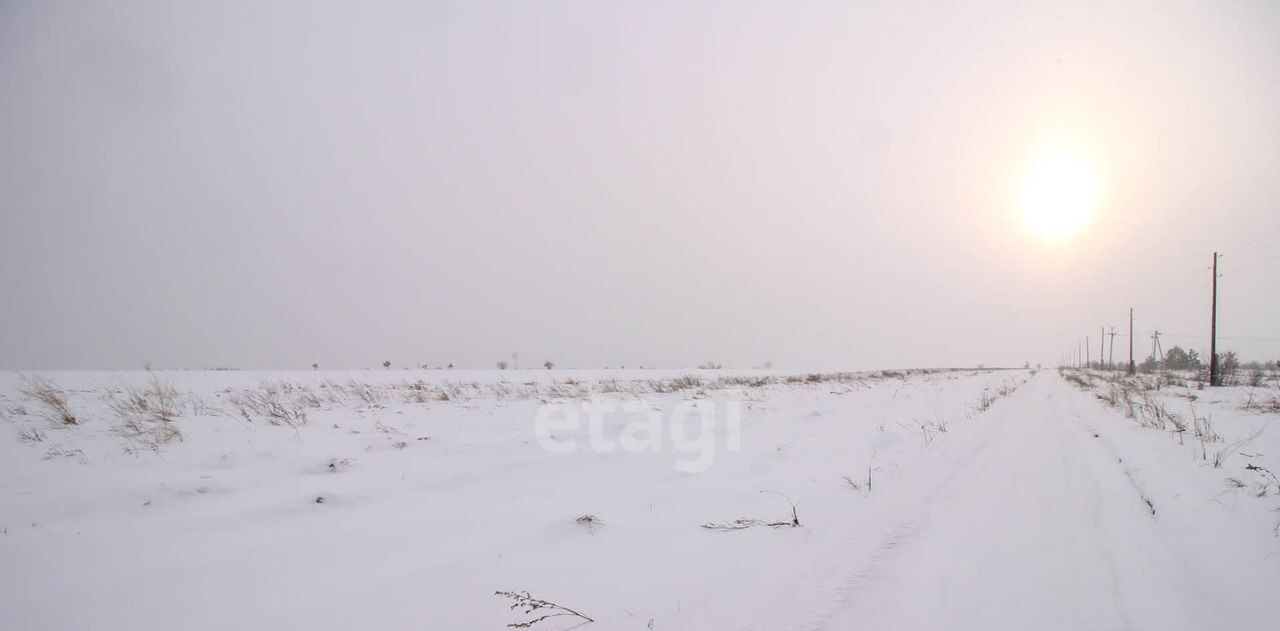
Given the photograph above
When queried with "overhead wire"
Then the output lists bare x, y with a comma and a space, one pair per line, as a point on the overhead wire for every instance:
1254, 264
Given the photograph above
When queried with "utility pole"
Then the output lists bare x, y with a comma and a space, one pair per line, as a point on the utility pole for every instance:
1102, 340
1086, 352
1157, 353
1214, 378
1111, 356
1132, 368
1078, 354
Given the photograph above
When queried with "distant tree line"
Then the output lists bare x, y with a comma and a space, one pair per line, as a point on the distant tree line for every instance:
1231, 370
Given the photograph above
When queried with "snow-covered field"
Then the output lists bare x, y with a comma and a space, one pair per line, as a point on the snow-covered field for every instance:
961, 499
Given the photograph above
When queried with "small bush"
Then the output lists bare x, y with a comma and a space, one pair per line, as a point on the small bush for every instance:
1257, 378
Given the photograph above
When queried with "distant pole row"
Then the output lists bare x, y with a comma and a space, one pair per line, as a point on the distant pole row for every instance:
1082, 352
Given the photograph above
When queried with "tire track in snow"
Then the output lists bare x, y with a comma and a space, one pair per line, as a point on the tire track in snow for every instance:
1130, 473
1149, 557
844, 592
1097, 520
1025, 536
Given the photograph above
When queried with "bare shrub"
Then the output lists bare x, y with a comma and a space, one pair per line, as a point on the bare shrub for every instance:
49, 397
1257, 378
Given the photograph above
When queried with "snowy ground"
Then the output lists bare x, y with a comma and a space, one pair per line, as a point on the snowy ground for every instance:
405, 499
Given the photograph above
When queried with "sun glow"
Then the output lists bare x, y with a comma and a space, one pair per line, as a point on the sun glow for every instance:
1059, 193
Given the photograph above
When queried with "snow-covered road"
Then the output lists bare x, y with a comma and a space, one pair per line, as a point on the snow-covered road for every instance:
1040, 524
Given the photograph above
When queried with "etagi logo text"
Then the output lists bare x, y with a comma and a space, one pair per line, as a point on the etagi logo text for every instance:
693, 429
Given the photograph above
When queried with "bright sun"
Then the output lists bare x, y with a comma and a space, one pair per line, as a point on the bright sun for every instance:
1058, 195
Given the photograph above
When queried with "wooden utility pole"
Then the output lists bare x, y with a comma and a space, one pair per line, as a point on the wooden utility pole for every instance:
1132, 368
1086, 351
1214, 378
1111, 356
1102, 340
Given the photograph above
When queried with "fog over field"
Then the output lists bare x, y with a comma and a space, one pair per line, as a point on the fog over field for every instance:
813, 184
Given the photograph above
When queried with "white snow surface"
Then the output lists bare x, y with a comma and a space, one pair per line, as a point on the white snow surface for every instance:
1046, 509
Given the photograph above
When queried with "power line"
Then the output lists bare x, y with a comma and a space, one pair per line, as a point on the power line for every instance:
1263, 237
1254, 250
1255, 264
1221, 337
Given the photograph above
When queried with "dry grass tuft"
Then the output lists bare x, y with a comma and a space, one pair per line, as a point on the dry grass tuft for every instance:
543, 609
147, 414
49, 397
31, 434
279, 404
743, 524
590, 522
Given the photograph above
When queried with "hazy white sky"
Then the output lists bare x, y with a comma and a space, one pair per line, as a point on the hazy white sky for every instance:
817, 184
